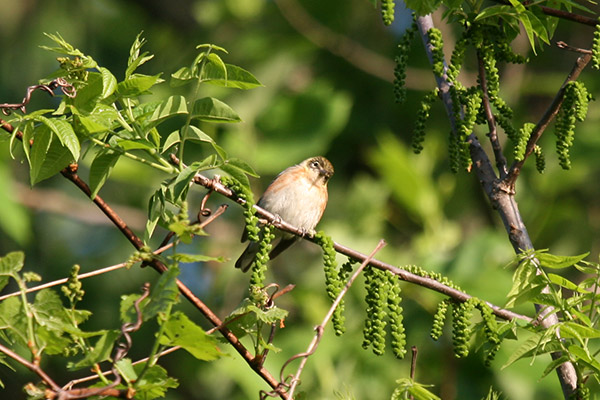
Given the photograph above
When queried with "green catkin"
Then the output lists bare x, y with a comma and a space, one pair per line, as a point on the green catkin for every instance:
454, 152
437, 43
573, 109
540, 161
439, 319
334, 279
374, 330
251, 220
259, 265
521, 144
422, 117
456, 59
490, 329
395, 316
387, 11
461, 332
401, 61
491, 71
504, 118
505, 53
596, 47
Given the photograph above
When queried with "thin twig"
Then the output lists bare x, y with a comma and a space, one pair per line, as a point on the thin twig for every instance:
566, 46
429, 283
515, 169
31, 366
312, 347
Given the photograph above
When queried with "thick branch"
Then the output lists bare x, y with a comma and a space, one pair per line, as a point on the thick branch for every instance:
429, 283
501, 196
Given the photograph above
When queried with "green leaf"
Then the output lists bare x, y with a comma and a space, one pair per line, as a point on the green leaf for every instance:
100, 170
213, 110
12, 318
125, 368
179, 330
182, 76
548, 260
171, 141
565, 283
137, 84
136, 144
554, 364
174, 105
232, 76
89, 95
65, 133
48, 156
154, 383
495, 11
163, 294
100, 352
135, 59
243, 166
573, 330
195, 133
182, 182
423, 7
109, 82
584, 356
236, 173
12, 263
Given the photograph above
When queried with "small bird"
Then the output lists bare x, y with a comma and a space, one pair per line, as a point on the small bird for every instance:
298, 195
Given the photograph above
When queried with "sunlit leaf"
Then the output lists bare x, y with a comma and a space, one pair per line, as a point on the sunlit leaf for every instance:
179, 330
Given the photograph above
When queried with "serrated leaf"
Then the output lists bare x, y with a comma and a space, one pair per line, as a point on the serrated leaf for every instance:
137, 84
233, 76
48, 155
154, 383
100, 170
101, 351
526, 349
12, 263
163, 294
573, 330
174, 105
179, 330
65, 133
494, 11
213, 110
565, 283
585, 357
554, 364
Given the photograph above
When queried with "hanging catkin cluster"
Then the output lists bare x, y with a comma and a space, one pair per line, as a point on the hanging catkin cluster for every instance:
461, 326
596, 47
387, 11
383, 307
400, 63
573, 109
467, 103
334, 279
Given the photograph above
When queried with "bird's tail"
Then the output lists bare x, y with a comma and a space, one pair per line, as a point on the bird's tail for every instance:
245, 260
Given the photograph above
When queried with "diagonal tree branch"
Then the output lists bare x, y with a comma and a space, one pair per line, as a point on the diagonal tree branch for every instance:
502, 198
70, 173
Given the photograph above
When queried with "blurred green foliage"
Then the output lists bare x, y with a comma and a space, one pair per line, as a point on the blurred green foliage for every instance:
314, 102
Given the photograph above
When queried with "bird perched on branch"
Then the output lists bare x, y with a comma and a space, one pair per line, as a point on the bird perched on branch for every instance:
298, 195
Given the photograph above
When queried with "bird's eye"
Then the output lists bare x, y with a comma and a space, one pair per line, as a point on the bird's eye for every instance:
315, 164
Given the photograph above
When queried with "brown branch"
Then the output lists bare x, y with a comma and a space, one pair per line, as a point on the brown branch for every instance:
548, 116
31, 366
71, 174
502, 197
218, 187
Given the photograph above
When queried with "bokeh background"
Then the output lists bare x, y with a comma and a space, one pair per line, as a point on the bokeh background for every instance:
327, 69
